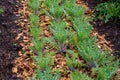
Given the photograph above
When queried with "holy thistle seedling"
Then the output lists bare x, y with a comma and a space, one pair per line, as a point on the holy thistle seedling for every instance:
34, 19
43, 62
89, 50
46, 75
106, 71
55, 10
34, 4
82, 28
71, 60
72, 10
79, 76
60, 33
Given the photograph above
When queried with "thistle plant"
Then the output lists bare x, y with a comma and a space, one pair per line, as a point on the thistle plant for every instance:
107, 70
76, 75
34, 4
38, 45
46, 75
55, 10
44, 62
74, 11
108, 10
89, 51
60, 33
48, 3
34, 19
71, 60
82, 28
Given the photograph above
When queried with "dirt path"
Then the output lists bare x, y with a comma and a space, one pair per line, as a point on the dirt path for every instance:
8, 45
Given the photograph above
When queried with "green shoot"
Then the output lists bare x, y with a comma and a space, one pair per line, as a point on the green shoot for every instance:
89, 50
46, 75
79, 76
60, 33
71, 60
107, 71
34, 4
55, 10
44, 62
106, 11
38, 45
82, 28
35, 32
34, 19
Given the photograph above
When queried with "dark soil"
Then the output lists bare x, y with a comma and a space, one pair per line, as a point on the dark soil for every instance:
111, 30
92, 3
8, 45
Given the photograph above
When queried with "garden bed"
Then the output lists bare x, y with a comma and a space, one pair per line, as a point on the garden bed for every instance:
17, 57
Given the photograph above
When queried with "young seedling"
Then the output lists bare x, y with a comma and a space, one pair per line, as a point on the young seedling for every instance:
60, 33
82, 28
43, 62
75, 11
34, 5
89, 52
46, 75
79, 76
71, 60
55, 10
108, 10
34, 19
107, 70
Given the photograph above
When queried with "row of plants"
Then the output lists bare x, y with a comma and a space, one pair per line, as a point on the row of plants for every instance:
42, 59
68, 25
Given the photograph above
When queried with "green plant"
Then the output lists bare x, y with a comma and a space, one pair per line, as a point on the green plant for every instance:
79, 76
43, 61
34, 4
46, 75
34, 19
35, 32
107, 70
48, 3
89, 50
55, 10
71, 60
82, 28
60, 33
38, 45
74, 11
108, 10
44, 65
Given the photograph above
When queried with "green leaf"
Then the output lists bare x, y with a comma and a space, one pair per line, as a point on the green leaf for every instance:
37, 45
35, 32
34, 19
79, 76
34, 4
